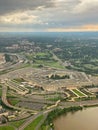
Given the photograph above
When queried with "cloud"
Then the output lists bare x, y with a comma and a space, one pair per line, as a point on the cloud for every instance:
88, 27
45, 14
9, 6
86, 5
19, 18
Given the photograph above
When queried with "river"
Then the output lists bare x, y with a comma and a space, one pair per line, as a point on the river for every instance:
87, 119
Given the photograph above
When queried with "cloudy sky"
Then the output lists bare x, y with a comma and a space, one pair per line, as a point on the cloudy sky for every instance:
48, 15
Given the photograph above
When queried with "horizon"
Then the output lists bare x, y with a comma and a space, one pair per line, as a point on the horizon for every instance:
50, 32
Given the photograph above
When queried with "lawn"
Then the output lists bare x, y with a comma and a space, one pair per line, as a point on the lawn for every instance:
54, 64
44, 54
17, 123
14, 102
34, 124
50, 63
43, 127
78, 92
55, 98
0, 92
6, 128
45, 59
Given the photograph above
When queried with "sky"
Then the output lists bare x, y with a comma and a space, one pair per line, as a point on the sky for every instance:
48, 15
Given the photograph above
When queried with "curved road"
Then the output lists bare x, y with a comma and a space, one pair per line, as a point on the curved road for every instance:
32, 118
4, 100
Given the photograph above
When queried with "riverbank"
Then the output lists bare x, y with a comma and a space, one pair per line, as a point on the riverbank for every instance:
80, 120
58, 112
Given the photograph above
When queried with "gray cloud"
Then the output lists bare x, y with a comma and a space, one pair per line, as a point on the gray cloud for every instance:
43, 14
8, 6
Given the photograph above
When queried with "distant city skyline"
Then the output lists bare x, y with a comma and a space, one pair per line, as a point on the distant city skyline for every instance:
48, 15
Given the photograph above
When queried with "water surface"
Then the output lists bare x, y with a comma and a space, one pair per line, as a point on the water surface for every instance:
86, 119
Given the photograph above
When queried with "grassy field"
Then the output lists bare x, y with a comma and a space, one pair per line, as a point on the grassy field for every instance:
34, 124
0, 92
44, 59
43, 54
39, 55
54, 98
43, 127
13, 101
90, 67
6, 128
85, 98
17, 123
78, 92
49, 64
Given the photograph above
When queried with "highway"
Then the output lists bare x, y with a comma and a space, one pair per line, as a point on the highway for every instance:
41, 122
49, 109
32, 118
4, 100
78, 103
37, 114
28, 121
